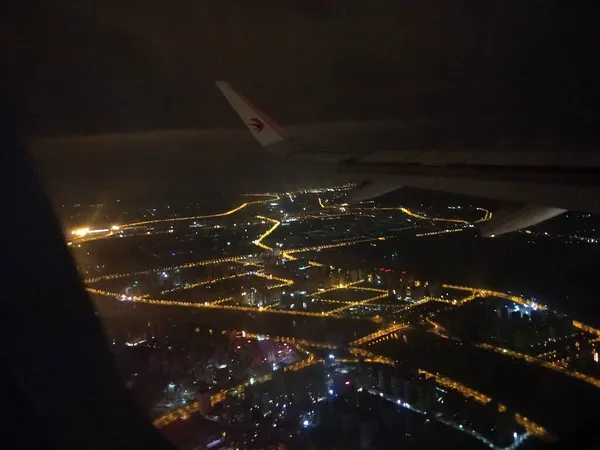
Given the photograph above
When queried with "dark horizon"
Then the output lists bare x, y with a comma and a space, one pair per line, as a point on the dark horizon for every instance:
110, 69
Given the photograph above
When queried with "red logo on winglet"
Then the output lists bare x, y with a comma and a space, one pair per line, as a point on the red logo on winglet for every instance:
256, 124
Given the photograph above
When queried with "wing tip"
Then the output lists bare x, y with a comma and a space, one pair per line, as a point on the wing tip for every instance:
262, 127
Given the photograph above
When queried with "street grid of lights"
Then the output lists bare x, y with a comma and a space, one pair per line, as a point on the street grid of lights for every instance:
85, 234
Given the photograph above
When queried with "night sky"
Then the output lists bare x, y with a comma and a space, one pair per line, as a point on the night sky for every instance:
94, 68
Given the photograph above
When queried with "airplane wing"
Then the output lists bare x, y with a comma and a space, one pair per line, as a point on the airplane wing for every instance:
542, 184
272, 137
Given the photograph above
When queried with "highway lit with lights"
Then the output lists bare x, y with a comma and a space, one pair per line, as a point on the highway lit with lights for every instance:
436, 233
548, 365
86, 234
258, 241
378, 334
206, 262
487, 215
206, 282
355, 304
335, 245
218, 304
272, 197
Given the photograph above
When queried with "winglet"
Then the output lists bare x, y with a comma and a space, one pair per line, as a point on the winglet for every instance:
262, 127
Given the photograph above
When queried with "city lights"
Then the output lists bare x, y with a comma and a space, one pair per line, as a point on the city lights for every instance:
487, 293
189, 265
209, 216
451, 384
258, 241
487, 215
339, 347
354, 304
548, 365
206, 282
183, 413
335, 245
80, 232
218, 304
291, 340
434, 233
378, 334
